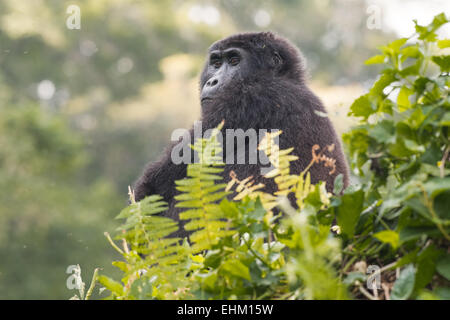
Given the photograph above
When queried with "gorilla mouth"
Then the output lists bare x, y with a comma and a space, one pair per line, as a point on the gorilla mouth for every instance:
206, 99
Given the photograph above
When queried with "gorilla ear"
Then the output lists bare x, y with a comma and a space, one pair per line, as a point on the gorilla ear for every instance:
277, 60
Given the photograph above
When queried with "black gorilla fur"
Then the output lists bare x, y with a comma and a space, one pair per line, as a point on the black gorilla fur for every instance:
271, 95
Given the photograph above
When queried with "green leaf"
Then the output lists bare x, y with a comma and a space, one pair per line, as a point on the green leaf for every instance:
413, 146
443, 266
393, 48
125, 213
426, 266
208, 279
349, 210
403, 98
411, 233
441, 203
407, 258
121, 265
110, 284
410, 52
404, 285
386, 79
141, 289
338, 184
375, 59
445, 121
237, 268
383, 132
427, 33
229, 208
396, 44
388, 236
313, 198
436, 186
438, 21
258, 212
443, 62
361, 107
444, 43
398, 149
443, 293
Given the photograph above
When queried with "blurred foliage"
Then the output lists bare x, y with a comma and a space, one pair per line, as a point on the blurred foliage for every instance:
48, 217
395, 218
82, 111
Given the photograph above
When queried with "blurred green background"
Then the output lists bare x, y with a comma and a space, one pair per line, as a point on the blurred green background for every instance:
82, 111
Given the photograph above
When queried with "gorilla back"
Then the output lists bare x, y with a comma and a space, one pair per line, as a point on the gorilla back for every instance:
254, 81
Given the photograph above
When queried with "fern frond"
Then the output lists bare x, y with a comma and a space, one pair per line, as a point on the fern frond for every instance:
303, 189
142, 225
280, 160
287, 183
200, 194
152, 256
248, 188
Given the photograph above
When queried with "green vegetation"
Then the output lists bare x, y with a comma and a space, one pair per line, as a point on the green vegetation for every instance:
400, 151
396, 217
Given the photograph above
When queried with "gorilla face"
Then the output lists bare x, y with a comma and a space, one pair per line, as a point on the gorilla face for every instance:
224, 70
244, 68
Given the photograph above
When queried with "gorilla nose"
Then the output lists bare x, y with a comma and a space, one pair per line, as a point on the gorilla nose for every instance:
210, 88
212, 82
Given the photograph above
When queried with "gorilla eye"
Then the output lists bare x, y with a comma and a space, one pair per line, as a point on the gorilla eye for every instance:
234, 61
216, 63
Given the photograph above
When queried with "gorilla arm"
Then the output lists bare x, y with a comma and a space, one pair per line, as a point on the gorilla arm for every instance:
159, 177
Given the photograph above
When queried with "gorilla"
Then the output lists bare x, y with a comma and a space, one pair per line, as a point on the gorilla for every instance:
254, 81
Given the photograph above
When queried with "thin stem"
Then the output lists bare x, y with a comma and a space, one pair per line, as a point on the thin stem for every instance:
379, 271
444, 159
131, 195
93, 282
112, 243
375, 249
366, 293
256, 255
436, 219
384, 224
348, 265
386, 291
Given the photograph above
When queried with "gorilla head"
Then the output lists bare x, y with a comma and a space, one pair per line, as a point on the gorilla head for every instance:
244, 60
247, 77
